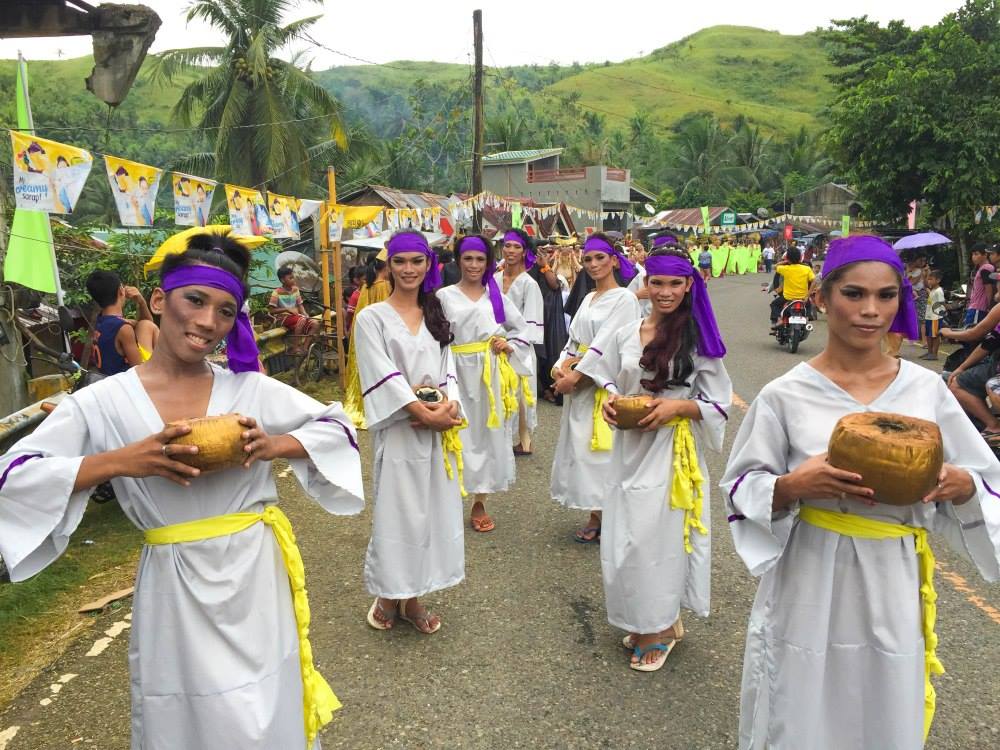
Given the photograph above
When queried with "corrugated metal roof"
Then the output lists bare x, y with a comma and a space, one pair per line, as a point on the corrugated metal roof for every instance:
526, 155
690, 216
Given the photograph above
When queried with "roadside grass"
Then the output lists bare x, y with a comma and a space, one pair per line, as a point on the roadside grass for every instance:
38, 616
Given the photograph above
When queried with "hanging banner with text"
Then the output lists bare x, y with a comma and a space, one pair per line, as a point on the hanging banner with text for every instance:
192, 200
134, 188
48, 176
247, 211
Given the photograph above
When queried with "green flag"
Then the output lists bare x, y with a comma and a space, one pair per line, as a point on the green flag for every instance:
845, 225
30, 259
515, 215
705, 220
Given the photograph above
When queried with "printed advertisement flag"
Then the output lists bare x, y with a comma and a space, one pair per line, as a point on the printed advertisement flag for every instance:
284, 213
48, 176
247, 212
134, 187
192, 200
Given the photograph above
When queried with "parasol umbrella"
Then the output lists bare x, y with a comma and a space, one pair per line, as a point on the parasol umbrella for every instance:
177, 243
922, 239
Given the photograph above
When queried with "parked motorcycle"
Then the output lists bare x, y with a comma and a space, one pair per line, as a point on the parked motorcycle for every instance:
793, 325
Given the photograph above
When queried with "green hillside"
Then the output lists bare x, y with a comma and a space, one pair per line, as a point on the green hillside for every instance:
776, 80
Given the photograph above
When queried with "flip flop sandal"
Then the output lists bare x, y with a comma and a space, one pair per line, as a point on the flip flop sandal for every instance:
628, 642
579, 536
664, 648
483, 524
518, 451
388, 620
424, 619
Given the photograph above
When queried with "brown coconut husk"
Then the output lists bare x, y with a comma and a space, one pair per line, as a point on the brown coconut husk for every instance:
630, 409
899, 457
219, 440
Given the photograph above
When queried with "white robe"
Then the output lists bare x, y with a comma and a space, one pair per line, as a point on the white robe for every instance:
214, 650
835, 650
487, 453
637, 283
648, 575
418, 542
578, 473
527, 298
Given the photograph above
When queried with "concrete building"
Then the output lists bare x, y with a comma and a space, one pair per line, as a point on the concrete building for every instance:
829, 199
536, 174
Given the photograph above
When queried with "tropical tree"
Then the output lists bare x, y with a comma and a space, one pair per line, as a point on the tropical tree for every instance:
266, 118
702, 167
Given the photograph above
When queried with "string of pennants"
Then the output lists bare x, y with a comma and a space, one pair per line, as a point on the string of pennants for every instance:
821, 221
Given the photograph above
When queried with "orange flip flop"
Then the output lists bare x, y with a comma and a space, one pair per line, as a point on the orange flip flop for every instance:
483, 524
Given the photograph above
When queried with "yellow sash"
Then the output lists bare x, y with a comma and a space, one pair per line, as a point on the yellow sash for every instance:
686, 492
508, 379
318, 700
601, 437
452, 443
868, 528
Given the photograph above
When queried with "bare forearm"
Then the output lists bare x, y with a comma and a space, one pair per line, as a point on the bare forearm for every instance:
143, 308
690, 409
96, 469
286, 446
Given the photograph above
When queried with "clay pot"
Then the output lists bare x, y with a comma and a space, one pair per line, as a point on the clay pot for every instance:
219, 440
899, 457
630, 409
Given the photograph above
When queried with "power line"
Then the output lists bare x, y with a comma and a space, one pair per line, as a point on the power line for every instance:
166, 130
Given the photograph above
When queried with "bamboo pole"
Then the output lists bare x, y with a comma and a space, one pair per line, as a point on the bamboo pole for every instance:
338, 284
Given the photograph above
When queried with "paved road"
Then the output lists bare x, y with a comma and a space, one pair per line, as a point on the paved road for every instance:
526, 658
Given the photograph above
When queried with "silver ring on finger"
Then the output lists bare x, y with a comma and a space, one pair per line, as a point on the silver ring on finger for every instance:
164, 449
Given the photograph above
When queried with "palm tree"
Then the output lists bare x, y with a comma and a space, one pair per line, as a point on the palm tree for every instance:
262, 114
702, 165
752, 152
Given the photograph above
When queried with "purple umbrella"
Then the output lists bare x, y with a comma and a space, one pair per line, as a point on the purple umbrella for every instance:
922, 239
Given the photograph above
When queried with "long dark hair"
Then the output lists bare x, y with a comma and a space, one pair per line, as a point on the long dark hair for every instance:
372, 268
670, 355
434, 317
212, 249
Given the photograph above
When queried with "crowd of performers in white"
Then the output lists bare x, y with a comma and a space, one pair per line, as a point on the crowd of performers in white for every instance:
840, 648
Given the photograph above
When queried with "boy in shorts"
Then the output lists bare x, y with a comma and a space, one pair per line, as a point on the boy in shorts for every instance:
932, 314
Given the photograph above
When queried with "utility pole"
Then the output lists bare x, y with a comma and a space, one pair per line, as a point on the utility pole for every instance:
477, 115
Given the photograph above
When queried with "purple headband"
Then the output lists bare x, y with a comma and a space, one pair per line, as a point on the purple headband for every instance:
529, 257
709, 339
866, 248
411, 242
664, 241
599, 244
241, 346
475, 244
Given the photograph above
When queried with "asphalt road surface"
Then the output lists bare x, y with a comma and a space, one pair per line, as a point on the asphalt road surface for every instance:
525, 658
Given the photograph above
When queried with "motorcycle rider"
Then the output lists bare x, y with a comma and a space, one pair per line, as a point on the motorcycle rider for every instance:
793, 285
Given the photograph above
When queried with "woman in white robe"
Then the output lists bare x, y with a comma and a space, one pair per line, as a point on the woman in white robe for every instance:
583, 452
417, 542
523, 291
488, 332
655, 539
840, 647
214, 645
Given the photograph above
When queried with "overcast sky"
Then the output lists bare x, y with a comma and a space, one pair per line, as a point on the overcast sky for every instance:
516, 31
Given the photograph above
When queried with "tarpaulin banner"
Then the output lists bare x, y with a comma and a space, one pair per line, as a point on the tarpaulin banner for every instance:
392, 219
247, 211
307, 208
192, 200
284, 214
48, 176
134, 188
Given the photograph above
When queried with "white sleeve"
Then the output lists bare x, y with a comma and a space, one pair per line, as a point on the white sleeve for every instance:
331, 474
39, 510
714, 395
602, 362
518, 336
534, 311
383, 387
449, 379
759, 456
973, 528
627, 310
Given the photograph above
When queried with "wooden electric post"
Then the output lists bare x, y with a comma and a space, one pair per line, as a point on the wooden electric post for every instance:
338, 279
477, 115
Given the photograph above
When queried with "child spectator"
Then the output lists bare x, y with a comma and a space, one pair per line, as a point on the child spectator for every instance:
286, 304
120, 343
932, 314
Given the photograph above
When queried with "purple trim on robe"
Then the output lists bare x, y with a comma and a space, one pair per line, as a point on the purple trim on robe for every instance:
736, 517
15, 463
526, 343
390, 375
535, 323
739, 481
985, 484
595, 349
347, 431
718, 408
605, 386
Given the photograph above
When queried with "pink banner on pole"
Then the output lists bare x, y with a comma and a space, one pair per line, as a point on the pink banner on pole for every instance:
911, 218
